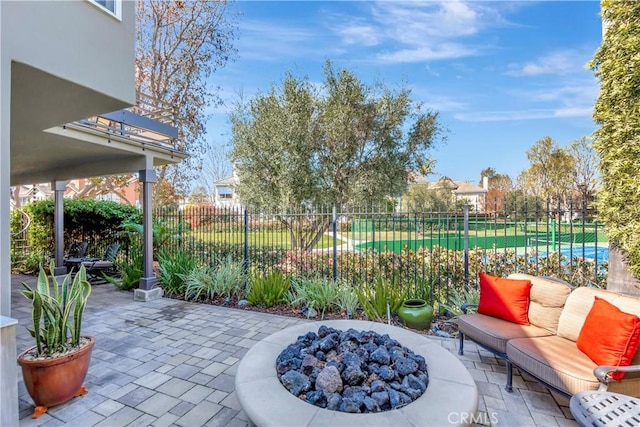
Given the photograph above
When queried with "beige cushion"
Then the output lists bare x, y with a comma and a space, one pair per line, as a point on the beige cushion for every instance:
547, 299
555, 360
579, 304
558, 362
493, 332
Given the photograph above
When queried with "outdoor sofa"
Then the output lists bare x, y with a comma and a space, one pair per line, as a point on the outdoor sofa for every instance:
564, 323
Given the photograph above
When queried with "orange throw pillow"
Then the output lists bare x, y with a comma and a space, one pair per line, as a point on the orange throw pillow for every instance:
506, 299
609, 336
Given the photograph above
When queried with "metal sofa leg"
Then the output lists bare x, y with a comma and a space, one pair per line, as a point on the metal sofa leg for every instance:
461, 341
509, 386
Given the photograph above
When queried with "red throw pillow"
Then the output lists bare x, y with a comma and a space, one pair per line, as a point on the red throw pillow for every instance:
609, 336
506, 299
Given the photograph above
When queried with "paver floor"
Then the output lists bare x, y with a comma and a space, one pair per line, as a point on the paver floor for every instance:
173, 363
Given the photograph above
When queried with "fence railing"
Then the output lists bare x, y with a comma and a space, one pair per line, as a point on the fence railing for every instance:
446, 248
358, 244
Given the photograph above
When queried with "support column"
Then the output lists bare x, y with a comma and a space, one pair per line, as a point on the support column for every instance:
148, 289
58, 226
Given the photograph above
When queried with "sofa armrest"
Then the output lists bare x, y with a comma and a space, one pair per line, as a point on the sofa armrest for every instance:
602, 372
466, 306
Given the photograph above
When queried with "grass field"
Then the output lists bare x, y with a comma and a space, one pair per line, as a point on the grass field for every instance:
262, 238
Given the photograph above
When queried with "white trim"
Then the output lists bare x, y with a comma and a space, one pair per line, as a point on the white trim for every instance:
117, 6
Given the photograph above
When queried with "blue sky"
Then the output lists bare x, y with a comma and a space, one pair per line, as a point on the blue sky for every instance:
502, 75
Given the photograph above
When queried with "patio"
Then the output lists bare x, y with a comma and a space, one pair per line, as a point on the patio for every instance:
169, 362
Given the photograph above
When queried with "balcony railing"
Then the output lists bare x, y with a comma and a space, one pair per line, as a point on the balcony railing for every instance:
150, 121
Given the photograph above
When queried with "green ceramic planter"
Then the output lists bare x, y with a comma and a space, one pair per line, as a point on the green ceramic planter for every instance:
416, 314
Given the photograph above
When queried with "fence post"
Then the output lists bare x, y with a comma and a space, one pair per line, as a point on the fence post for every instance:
335, 244
466, 245
246, 242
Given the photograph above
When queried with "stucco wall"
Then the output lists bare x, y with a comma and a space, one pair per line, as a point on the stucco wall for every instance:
73, 40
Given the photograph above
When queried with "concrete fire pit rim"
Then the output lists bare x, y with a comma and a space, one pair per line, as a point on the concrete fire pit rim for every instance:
450, 399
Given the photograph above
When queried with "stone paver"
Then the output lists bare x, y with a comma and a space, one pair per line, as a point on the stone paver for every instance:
169, 362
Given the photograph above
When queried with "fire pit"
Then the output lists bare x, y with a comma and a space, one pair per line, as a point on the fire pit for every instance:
451, 397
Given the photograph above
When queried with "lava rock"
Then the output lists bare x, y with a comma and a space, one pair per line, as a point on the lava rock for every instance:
337, 364
381, 398
422, 364
353, 375
288, 365
405, 366
334, 401
317, 398
350, 334
349, 405
329, 381
386, 373
351, 359
348, 346
414, 382
394, 398
328, 343
308, 363
352, 371
295, 382
371, 404
292, 351
381, 356
378, 385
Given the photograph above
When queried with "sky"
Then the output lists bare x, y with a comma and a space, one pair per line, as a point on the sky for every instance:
502, 75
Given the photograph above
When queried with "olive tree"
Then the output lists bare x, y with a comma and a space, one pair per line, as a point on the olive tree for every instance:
340, 143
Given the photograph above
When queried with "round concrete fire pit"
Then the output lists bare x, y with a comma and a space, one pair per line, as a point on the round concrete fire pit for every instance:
450, 399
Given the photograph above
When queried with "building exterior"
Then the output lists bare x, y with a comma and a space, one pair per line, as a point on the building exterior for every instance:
66, 72
467, 192
225, 195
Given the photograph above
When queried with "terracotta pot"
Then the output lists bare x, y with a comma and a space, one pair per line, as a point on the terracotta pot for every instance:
416, 313
54, 381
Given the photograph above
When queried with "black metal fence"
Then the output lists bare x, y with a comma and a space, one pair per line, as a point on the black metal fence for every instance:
448, 246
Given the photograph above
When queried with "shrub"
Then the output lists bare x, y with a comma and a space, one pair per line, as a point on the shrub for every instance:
269, 290
130, 274
317, 293
373, 297
229, 278
199, 283
173, 269
347, 300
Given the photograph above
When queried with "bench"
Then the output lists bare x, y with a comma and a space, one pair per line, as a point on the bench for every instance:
547, 348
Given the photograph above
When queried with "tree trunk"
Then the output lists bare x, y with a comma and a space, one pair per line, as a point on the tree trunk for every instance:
619, 278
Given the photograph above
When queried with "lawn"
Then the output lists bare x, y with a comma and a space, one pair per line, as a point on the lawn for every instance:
258, 238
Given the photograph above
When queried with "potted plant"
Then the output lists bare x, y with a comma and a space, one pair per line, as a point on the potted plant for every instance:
55, 368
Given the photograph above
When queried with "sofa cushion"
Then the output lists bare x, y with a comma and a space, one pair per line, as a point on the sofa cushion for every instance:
554, 360
547, 298
506, 299
579, 304
493, 332
609, 336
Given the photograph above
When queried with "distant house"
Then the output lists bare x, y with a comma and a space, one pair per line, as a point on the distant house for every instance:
30, 193
462, 190
224, 193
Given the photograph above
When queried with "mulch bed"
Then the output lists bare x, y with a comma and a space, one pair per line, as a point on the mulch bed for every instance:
440, 326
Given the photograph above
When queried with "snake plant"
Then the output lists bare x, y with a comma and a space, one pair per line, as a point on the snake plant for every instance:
57, 310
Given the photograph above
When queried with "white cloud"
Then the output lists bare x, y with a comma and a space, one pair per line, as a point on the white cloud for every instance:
507, 115
423, 54
559, 62
412, 31
359, 33
583, 111
265, 41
